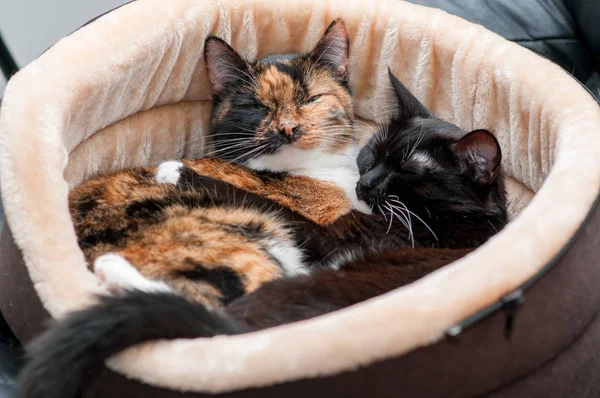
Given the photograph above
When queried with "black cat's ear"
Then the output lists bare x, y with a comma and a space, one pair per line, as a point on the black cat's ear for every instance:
408, 105
333, 49
481, 152
224, 65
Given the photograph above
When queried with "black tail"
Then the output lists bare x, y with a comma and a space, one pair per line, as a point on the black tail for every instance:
62, 358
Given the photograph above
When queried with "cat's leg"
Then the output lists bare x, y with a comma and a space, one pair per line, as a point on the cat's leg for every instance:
119, 274
178, 173
169, 172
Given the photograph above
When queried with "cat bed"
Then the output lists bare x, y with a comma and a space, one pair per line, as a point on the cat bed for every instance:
130, 88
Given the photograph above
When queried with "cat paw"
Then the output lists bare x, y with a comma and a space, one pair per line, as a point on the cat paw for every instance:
120, 275
169, 172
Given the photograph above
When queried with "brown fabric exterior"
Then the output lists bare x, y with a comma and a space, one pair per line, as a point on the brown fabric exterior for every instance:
19, 303
572, 373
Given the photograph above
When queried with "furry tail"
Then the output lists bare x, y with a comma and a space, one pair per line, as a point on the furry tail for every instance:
69, 352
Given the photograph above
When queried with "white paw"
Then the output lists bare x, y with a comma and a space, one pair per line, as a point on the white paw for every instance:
169, 172
118, 275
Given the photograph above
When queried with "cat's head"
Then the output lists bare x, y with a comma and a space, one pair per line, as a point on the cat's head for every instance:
284, 102
421, 163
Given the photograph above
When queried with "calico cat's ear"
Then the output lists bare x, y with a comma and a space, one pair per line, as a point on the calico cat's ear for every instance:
333, 49
408, 105
481, 152
224, 65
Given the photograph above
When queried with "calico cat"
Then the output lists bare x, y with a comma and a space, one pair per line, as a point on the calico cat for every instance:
283, 129
452, 178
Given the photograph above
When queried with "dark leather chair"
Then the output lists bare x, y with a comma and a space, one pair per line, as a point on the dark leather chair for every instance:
564, 31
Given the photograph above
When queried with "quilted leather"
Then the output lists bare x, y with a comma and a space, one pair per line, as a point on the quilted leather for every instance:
564, 31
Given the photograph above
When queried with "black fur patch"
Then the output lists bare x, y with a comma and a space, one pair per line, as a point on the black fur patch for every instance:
108, 236
253, 228
153, 208
146, 174
226, 280
87, 205
266, 175
78, 345
145, 208
294, 72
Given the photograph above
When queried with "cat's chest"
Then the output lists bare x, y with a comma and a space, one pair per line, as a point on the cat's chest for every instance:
337, 170
320, 201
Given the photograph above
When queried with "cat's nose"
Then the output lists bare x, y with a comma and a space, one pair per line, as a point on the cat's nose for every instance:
288, 128
372, 182
369, 180
364, 188
364, 191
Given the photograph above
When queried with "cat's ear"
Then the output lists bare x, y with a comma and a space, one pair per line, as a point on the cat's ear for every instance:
408, 105
224, 65
333, 49
481, 152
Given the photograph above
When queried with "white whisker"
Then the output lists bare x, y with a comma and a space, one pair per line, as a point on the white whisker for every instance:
391, 218
237, 147
416, 216
416, 144
407, 222
251, 84
249, 130
249, 153
382, 212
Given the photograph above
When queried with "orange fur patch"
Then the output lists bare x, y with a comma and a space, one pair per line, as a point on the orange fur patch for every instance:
319, 201
163, 242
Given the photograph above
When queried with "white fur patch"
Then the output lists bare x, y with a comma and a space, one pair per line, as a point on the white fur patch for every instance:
289, 256
118, 274
423, 159
340, 169
342, 258
169, 172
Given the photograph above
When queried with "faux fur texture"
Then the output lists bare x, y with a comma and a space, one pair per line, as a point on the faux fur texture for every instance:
128, 89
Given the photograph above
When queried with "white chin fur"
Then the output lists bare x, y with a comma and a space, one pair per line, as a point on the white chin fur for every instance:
340, 169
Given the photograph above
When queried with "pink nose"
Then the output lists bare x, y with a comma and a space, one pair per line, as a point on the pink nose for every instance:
288, 128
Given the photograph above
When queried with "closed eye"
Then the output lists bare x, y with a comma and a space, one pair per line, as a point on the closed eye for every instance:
255, 105
312, 99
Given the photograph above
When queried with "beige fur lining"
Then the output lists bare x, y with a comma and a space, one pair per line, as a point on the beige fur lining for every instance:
131, 89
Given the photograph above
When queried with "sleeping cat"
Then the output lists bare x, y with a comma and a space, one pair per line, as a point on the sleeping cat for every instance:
449, 177
283, 128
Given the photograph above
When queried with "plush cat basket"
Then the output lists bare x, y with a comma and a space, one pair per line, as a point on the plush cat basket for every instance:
130, 89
